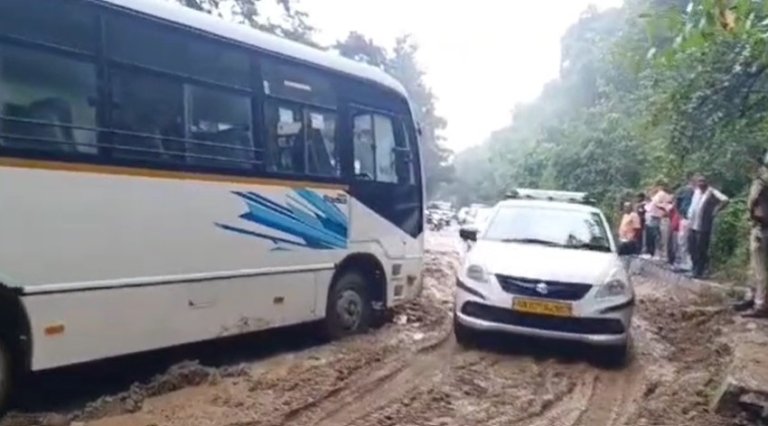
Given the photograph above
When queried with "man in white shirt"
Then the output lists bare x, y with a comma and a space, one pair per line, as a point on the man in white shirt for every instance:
706, 203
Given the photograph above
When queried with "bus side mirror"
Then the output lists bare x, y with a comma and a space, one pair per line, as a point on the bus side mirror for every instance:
468, 233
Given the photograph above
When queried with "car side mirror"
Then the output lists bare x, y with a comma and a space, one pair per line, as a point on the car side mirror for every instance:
468, 233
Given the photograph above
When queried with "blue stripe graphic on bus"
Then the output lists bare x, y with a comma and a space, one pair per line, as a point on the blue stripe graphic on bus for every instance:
307, 216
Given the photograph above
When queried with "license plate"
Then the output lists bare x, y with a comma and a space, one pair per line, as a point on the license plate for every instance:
543, 308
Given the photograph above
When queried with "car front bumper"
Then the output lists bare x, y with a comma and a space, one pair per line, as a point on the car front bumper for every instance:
600, 323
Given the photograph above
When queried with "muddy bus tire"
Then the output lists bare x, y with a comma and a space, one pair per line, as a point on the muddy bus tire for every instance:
349, 310
6, 376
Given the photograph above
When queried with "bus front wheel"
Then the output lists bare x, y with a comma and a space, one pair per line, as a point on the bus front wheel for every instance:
349, 309
5, 376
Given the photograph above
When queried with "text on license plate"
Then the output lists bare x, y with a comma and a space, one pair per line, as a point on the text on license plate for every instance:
541, 307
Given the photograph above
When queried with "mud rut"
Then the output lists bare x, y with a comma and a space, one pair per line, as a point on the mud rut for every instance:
412, 372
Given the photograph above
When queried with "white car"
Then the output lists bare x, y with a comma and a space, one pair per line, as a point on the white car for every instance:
549, 269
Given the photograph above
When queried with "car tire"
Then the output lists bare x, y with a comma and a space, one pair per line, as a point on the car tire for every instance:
616, 356
348, 310
464, 336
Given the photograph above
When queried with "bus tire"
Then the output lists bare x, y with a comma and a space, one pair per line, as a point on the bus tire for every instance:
6, 376
349, 310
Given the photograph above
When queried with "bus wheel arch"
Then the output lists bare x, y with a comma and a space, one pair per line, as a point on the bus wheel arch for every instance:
372, 270
15, 341
356, 295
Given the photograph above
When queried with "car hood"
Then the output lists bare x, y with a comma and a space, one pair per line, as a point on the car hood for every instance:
545, 263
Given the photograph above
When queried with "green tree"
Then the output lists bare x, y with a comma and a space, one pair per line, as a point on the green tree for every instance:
293, 24
651, 90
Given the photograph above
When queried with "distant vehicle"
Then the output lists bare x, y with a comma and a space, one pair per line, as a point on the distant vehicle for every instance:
440, 205
438, 219
472, 212
169, 177
462, 215
545, 265
435, 220
481, 218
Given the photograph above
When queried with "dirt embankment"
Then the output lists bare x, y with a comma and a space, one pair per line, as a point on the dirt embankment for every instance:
411, 372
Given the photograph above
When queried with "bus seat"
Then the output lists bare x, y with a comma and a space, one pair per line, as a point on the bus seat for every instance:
54, 111
232, 137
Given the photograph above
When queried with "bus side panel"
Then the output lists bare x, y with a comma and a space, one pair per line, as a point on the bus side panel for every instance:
105, 323
79, 227
84, 230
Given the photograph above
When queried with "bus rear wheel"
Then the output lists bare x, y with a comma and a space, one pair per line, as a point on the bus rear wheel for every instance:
349, 310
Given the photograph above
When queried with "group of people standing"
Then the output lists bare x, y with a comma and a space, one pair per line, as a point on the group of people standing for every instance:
675, 227
678, 228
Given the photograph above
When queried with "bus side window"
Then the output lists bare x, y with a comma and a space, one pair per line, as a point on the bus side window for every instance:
384, 136
148, 116
285, 137
45, 102
220, 128
404, 155
322, 155
381, 149
364, 147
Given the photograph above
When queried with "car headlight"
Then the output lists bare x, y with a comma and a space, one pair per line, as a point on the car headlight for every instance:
613, 288
477, 273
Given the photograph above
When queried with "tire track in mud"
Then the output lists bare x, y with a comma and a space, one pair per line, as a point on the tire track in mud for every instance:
615, 395
567, 411
597, 398
605, 397
386, 386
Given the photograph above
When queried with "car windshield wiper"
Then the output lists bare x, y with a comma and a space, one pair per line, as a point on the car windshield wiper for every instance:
590, 246
531, 241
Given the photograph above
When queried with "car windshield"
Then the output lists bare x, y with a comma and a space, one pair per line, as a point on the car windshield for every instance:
555, 227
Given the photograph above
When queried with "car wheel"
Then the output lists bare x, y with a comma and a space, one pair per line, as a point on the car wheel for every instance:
348, 310
464, 336
617, 356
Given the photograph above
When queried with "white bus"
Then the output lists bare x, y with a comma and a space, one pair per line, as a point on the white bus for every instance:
167, 178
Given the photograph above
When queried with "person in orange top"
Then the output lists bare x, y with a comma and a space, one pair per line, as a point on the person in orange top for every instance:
629, 228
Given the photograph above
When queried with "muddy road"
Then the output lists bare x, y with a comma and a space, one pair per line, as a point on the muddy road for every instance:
412, 372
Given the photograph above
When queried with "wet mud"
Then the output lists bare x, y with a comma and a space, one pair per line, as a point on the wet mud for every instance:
412, 372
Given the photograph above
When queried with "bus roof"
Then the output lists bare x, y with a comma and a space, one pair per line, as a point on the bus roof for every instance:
210, 24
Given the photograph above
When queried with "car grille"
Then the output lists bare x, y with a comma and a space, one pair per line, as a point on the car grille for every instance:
543, 322
555, 290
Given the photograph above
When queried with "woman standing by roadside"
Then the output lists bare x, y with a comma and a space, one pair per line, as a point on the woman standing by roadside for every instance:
640, 210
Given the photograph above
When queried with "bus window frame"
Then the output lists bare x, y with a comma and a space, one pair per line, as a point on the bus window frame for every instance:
104, 63
399, 127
